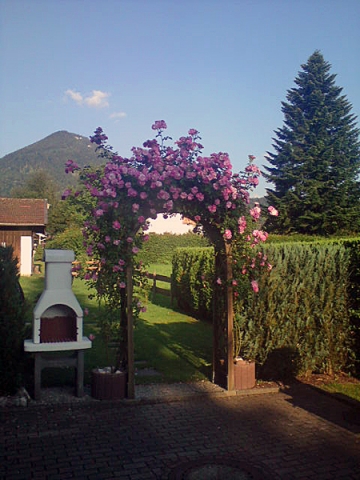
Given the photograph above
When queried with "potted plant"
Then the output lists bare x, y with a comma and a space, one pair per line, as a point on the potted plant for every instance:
109, 382
244, 369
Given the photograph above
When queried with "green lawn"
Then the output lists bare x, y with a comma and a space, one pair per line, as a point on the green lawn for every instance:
177, 346
345, 390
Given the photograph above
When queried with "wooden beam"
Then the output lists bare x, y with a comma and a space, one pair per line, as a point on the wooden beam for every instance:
130, 334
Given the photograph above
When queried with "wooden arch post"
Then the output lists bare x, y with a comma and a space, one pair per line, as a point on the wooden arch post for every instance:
230, 318
130, 334
223, 318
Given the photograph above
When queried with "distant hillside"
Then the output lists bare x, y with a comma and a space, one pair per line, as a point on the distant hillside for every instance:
49, 154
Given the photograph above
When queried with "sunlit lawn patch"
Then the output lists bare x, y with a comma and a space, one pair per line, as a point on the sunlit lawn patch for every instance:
350, 390
177, 346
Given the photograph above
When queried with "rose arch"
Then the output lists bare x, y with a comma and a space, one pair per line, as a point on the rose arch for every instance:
159, 178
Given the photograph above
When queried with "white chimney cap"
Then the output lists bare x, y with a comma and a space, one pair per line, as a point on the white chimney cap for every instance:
59, 256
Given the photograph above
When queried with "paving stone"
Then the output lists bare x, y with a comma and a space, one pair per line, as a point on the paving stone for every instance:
298, 434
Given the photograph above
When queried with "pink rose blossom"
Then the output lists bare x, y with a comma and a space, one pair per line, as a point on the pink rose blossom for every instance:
272, 210
159, 125
227, 234
255, 286
255, 212
99, 212
242, 225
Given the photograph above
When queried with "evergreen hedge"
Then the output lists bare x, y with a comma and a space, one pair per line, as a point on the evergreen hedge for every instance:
306, 315
12, 323
303, 308
193, 270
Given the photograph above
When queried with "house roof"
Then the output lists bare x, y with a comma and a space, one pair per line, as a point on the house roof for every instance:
23, 211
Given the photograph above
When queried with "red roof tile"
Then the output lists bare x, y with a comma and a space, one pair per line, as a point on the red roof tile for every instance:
23, 211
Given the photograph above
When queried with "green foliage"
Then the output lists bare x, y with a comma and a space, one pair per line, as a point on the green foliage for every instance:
12, 310
353, 245
63, 215
193, 271
303, 306
161, 248
178, 346
39, 253
38, 184
316, 164
70, 239
305, 316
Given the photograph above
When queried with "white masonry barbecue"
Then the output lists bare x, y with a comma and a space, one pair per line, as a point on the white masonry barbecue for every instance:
58, 321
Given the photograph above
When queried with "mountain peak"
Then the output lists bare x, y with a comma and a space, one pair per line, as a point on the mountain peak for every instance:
49, 154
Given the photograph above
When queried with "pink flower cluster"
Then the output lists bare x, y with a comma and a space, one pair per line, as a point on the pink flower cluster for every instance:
161, 178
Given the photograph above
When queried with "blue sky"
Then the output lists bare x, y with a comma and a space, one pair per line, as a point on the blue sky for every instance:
220, 66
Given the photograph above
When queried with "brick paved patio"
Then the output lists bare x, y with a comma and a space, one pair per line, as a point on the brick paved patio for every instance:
299, 434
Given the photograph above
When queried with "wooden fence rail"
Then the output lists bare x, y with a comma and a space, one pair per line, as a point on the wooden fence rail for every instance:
160, 278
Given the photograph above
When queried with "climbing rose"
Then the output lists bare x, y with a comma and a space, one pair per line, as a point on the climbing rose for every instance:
159, 125
227, 234
272, 210
255, 212
255, 286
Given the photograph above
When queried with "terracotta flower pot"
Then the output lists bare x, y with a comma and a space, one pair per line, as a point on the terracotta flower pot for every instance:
244, 374
108, 386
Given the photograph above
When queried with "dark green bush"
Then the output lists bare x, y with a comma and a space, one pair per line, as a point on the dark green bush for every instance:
12, 324
303, 304
191, 282
70, 239
309, 304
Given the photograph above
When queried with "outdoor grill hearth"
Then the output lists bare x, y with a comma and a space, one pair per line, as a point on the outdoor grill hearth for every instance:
58, 322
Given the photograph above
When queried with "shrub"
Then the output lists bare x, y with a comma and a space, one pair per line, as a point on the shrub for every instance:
70, 239
191, 282
303, 306
12, 314
306, 313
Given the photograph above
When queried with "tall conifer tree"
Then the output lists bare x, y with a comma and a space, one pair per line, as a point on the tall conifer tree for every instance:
316, 165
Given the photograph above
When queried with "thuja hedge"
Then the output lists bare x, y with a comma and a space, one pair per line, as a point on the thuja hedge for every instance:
306, 313
12, 323
191, 282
